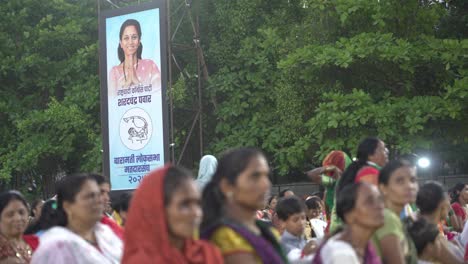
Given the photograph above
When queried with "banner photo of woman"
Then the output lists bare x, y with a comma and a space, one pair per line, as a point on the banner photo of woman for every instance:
133, 93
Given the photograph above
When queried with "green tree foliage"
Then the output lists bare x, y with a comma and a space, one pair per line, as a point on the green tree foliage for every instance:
301, 78
49, 100
296, 78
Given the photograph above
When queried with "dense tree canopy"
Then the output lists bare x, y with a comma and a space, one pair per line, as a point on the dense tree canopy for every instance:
301, 78
49, 98
296, 78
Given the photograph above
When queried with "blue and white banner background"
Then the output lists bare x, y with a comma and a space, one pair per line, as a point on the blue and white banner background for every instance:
135, 112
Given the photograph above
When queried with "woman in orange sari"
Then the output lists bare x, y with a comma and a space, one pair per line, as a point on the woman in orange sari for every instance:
163, 217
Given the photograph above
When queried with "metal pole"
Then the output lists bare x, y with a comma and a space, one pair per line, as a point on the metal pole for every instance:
199, 93
188, 137
171, 95
199, 73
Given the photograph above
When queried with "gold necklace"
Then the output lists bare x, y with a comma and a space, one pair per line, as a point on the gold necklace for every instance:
22, 253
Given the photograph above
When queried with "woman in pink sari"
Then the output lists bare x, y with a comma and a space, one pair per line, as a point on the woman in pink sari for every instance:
133, 71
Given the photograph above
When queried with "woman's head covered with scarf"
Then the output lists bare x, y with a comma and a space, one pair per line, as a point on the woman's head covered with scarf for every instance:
208, 165
163, 217
336, 158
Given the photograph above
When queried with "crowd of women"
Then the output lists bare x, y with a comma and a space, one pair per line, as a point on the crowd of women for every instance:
373, 211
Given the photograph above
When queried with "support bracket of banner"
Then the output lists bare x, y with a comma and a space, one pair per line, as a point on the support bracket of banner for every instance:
202, 72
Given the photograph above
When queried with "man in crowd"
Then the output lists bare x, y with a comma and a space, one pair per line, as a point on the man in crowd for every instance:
106, 219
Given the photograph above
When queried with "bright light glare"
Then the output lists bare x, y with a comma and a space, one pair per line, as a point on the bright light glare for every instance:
424, 162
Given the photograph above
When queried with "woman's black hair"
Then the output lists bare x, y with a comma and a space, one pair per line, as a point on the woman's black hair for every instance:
33, 206
283, 193
174, 178
230, 166
271, 199
67, 190
320, 194
430, 195
125, 200
346, 199
387, 171
99, 178
122, 203
48, 218
129, 22
313, 203
422, 232
411, 158
8, 196
455, 192
366, 148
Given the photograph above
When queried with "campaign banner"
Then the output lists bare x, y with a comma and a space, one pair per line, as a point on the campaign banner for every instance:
133, 88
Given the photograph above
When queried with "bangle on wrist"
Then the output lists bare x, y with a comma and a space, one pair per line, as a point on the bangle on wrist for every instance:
327, 180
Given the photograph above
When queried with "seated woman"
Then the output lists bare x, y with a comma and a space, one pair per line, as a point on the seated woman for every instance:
47, 219
431, 201
35, 213
361, 208
14, 217
424, 235
79, 237
399, 186
208, 165
164, 216
270, 208
230, 202
121, 207
459, 195
372, 155
314, 208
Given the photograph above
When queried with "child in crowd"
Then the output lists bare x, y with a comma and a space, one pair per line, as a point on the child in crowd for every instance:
314, 210
291, 213
424, 235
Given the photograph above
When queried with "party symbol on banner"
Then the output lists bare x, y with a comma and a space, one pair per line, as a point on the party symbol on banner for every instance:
139, 130
135, 129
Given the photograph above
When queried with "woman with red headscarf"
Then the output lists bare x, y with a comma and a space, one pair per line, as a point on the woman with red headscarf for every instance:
333, 166
164, 216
